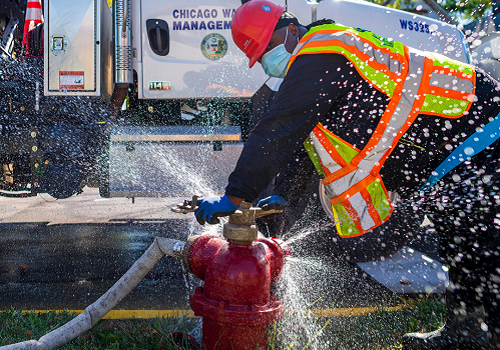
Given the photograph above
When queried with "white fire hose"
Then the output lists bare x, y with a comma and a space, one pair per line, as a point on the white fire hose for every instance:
96, 311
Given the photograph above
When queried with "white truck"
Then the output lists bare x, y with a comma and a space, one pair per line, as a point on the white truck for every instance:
154, 96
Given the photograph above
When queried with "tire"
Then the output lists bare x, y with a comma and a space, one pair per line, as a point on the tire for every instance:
70, 150
67, 149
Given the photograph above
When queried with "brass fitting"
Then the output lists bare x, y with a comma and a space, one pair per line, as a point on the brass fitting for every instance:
241, 229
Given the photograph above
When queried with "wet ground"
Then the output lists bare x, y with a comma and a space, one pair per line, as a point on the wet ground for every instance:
65, 254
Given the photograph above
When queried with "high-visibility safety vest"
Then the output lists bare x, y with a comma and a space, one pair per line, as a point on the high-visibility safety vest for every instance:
416, 82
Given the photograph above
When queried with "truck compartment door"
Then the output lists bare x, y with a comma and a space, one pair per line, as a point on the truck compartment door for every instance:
172, 160
76, 35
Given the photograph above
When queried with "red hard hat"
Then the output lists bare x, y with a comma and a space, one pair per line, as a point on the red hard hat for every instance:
253, 25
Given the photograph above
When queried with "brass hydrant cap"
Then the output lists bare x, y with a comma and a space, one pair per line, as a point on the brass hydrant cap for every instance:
241, 229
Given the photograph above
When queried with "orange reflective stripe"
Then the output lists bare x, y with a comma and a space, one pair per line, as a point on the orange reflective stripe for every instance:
325, 169
326, 31
352, 236
426, 74
473, 89
329, 147
394, 55
338, 174
379, 132
354, 215
451, 71
370, 207
352, 49
353, 190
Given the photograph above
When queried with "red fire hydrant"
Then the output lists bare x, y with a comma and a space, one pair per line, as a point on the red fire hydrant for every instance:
235, 301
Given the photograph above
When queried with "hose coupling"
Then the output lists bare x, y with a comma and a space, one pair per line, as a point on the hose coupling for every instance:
177, 249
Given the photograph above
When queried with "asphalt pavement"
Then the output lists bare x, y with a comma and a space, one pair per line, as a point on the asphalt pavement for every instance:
64, 254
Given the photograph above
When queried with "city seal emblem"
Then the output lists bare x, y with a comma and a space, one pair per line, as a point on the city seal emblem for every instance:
214, 46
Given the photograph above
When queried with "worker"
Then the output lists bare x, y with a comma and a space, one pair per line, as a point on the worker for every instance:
376, 116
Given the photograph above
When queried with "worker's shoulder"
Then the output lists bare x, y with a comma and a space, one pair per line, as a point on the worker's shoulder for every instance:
321, 57
320, 61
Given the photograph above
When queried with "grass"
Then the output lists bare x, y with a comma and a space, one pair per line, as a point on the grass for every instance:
383, 329
379, 330
17, 326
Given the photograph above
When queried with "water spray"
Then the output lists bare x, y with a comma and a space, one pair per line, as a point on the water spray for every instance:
235, 301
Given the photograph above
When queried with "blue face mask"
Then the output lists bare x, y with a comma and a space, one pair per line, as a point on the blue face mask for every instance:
275, 61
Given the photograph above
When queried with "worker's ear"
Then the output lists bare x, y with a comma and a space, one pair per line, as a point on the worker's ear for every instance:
294, 30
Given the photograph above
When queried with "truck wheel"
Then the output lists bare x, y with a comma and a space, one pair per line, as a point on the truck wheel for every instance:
70, 152
63, 179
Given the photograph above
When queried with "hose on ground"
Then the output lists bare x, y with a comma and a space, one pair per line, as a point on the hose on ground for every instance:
94, 312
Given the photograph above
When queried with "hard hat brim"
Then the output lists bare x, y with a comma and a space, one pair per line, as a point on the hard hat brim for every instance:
265, 41
261, 49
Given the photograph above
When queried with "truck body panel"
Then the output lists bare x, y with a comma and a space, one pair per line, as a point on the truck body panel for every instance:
417, 31
203, 61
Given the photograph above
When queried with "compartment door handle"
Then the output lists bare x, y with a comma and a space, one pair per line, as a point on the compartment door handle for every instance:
158, 39
158, 36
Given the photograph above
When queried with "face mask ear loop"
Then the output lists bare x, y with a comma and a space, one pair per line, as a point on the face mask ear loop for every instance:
286, 37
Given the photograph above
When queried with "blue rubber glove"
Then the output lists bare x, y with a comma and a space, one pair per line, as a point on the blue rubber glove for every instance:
273, 202
209, 209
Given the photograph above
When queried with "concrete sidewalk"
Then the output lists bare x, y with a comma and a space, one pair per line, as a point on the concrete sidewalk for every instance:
85, 208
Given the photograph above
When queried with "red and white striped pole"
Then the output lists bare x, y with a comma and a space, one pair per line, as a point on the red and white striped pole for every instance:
33, 17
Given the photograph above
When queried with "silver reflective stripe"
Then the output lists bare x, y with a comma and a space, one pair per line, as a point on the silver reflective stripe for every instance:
446, 81
326, 159
359, 204
401, 113
337, 187
395, 66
